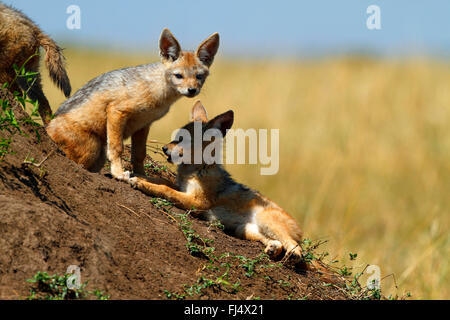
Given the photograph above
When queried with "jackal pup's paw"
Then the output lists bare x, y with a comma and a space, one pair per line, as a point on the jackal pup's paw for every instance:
125, 176
273, 248
295, 254
133, 182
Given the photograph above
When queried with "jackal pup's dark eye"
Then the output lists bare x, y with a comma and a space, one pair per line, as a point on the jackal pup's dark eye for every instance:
200, 76
178, 75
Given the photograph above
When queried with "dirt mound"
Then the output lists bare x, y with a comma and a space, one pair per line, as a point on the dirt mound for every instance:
54, 214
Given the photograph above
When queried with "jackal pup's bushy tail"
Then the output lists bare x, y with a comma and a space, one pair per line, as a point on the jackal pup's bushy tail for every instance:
54, 60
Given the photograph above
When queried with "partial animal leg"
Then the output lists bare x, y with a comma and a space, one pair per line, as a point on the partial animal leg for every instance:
32, 86
250, 231
100, 162
139, 150
115, 126
182, 199
277, 225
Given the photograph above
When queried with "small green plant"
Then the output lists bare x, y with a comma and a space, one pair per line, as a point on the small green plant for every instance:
250, 264
8, 121
309, 250
155, 167
30, 160
374, 294
284, 283
55, 287
161, 203
345, 271
222, 282
100, 295
172, 295
196, 245
217, 224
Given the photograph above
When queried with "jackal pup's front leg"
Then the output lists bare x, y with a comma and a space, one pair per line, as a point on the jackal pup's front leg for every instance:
115, 126
184, 200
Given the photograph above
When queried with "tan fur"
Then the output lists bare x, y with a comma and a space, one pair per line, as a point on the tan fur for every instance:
20, 39
210, 190
127, 109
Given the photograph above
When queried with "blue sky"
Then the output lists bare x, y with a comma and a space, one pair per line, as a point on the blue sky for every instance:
266, 28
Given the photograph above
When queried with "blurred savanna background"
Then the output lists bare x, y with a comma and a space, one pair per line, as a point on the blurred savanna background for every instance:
364, 115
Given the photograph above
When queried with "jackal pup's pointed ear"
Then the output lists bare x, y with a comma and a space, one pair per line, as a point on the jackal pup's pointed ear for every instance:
223, 121
208, 49
169, 48
198, 112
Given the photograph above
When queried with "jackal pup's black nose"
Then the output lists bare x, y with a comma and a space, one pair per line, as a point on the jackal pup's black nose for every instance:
192, 91
164, 149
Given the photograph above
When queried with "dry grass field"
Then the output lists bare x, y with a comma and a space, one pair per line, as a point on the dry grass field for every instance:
364, 152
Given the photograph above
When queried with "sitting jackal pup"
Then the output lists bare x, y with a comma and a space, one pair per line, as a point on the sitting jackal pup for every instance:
125, 102
211, 190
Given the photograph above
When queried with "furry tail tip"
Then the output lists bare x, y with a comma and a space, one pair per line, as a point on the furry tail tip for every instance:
54, 60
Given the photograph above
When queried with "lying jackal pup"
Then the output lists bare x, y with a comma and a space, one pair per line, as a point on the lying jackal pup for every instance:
211, 190
125, 102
